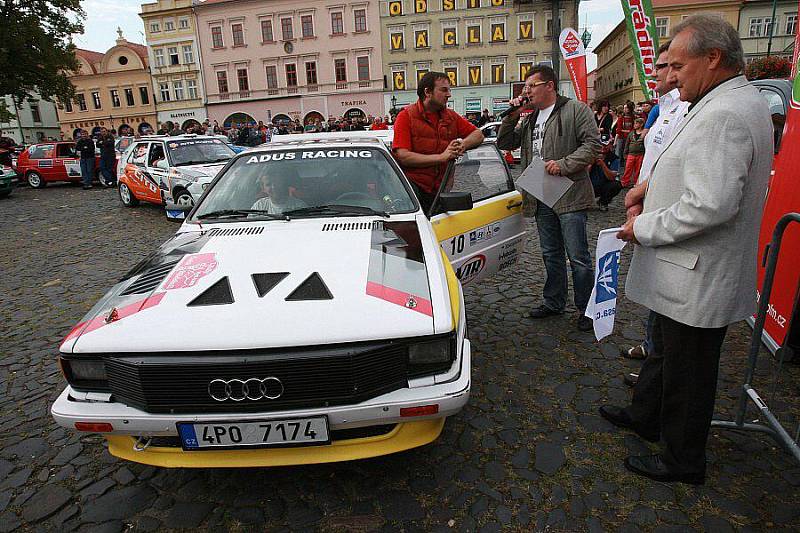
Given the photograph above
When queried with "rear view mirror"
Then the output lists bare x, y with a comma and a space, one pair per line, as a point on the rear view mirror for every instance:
455, 201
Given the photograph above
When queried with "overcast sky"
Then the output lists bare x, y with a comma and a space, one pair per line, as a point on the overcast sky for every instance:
104, 16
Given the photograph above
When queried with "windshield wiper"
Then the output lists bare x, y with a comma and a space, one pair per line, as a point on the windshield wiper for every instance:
241, 213
338, 209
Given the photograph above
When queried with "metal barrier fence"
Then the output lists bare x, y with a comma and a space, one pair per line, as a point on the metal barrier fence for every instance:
772, 427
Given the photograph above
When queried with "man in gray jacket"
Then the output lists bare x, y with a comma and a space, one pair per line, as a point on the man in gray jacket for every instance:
564, 134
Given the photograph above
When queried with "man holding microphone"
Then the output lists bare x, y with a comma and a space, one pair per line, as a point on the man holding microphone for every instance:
563, 133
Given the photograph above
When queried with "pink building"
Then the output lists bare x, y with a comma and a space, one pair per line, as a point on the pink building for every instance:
290, 59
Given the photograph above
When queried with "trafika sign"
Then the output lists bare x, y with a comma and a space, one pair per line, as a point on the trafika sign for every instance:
644, 41
575, 58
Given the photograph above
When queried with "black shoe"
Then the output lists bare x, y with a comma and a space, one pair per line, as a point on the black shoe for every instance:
620, 418
630, 379
653, 467
543, 311
87, 187
585, 323
634, 352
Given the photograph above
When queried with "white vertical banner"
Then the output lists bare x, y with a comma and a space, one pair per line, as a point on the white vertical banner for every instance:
603, 302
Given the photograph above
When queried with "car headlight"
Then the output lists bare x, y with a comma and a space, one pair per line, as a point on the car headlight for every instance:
85, 373
425, 353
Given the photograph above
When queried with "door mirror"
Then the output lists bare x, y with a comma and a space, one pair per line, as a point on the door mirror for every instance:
455, 201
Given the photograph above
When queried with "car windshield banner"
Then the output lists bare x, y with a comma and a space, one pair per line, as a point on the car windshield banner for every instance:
575, 58
644, 42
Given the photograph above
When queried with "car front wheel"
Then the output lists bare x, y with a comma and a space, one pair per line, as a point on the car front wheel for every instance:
127, 197
35, 180
183, 198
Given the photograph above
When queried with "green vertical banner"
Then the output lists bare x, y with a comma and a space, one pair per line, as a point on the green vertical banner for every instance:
644, 41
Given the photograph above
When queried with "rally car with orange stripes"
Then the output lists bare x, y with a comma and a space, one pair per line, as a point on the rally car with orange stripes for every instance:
316, 313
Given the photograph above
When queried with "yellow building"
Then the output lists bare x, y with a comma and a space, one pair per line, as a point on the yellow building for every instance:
617, 79
174, 58
112, 90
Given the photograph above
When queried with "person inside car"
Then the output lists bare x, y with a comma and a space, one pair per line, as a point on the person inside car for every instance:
275, 190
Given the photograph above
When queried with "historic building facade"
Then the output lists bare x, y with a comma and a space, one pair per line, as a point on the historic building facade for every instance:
112, 89
174, 61
36, 120
755, 20
290, 59
616, 78
484, 46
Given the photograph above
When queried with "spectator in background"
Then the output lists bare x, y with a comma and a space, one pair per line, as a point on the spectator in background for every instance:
604, 174
624, 127
484, 119
604, 119
379, 125
108, 158
86, 149
634, 153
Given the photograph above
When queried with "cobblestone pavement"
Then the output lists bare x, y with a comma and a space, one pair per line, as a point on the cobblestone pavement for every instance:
528, 453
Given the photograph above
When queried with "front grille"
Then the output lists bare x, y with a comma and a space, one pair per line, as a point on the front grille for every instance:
175, 383
235, 232
150, 279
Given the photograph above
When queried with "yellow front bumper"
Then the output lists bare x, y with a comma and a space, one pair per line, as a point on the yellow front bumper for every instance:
404, 437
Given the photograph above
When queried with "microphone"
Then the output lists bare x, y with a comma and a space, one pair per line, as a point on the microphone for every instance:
522, 103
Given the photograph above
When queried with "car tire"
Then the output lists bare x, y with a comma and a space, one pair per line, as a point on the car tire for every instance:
183, 197
126, 196
35, 180
5, 194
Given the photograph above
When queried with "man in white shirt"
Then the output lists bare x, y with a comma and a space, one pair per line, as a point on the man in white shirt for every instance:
277, 199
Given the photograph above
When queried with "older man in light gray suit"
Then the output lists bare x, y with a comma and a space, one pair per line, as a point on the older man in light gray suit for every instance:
695, 260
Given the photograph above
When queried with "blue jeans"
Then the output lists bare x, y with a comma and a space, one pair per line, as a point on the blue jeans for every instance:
559, 234
107, 169
648, 336
87, 170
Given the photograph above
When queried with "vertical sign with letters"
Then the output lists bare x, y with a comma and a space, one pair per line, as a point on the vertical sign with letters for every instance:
399, 80
452, 73
498, 73
524, 68
474, 34
395, 8
421, 72
448, 5
498, 32
421, 39
396, 41
472, 4
449, 37
420, 6
474, 75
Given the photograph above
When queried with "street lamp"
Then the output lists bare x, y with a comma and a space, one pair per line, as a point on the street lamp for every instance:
394, 101
586, 37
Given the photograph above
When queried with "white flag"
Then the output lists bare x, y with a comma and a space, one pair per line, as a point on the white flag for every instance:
603, 302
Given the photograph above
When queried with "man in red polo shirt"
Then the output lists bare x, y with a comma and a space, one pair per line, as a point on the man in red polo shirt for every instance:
427, 135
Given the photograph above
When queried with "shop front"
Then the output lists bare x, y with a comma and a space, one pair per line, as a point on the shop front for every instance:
183, 117
141, 124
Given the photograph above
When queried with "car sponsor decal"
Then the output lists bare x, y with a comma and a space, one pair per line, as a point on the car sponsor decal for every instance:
44, 163
310, 154
105, 318
397, 272
484, 234
190, 270
471, 268
73, 169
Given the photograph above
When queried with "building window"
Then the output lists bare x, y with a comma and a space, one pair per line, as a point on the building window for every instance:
791, 24
169, 25
337, 23
759, 26
216, 37
96, 100
68, 106
498, 30
155, 27
307, 26
37, 117
144, 95
360, 17
272, 77
548, 21
172, 52
311, 73
525, 28
474, 75
178, 87
183, 23
340, 68
398, 79
397, 41
191, 89
188, 54
222, 81
452, 74
421, 39
363, 68
115, 98
498, 73
129, 97
286, 29
291, 75
241, 76
266, 31
449, 36
158, 53
662, 26
164, 88
473, 33
473, 4
81, 101
238, 34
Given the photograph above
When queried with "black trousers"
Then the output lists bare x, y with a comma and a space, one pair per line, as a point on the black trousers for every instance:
676, 390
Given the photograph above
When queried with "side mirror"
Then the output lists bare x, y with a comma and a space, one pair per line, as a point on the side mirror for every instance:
455, 201
177, 213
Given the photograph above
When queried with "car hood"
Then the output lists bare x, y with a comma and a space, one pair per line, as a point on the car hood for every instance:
196, 172
272, 284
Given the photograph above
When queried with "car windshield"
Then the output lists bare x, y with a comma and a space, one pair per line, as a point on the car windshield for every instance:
308, 182
198, 151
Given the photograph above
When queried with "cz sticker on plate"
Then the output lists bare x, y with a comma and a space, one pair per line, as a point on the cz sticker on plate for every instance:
255, 434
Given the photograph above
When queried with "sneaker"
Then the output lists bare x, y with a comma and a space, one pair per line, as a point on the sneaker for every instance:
542, 311
630, 379
585, 323
636, 352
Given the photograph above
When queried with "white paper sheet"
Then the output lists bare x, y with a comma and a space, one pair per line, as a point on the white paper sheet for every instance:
545, 187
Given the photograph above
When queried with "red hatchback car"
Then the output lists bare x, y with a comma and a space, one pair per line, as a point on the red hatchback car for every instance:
42, 163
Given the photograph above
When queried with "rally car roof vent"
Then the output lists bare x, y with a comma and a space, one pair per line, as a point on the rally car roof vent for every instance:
217, 294
235, 232
350, 226
150, 278
267, 281
313, 288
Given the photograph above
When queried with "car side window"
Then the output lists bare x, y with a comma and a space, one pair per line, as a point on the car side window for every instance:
138, 155
66, 150
42, 151
156, 154
777, 109
482, 172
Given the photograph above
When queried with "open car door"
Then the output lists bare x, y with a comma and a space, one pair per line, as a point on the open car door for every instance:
490, 236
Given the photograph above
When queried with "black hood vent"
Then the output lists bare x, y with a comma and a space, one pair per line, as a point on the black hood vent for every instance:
235, 232
266, 282
313, 288
217, 294
349, 226
150, 278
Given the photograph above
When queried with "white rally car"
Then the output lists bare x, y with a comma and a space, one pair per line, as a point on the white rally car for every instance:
306, 311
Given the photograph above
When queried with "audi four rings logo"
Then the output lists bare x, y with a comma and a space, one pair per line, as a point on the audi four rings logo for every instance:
239, 390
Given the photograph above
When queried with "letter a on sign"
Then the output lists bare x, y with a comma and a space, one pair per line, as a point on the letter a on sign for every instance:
422, 39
